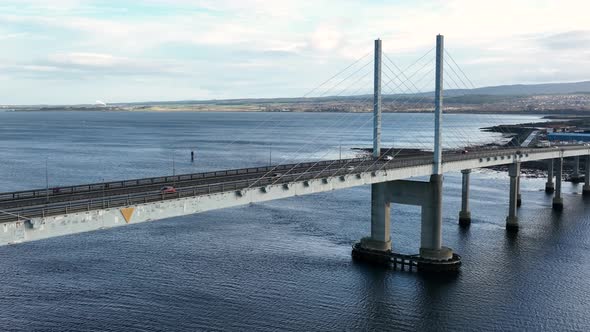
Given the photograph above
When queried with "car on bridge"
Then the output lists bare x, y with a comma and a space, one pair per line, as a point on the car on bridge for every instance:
168, 190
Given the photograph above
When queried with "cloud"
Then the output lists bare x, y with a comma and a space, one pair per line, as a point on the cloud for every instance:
274, 45
85, 65
576, 40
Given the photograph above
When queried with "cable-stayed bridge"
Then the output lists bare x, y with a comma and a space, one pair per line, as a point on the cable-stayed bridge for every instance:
42, 213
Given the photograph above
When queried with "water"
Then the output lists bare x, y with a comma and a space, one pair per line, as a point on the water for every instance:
281, 265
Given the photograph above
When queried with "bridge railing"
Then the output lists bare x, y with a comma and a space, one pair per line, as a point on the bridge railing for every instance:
162, 180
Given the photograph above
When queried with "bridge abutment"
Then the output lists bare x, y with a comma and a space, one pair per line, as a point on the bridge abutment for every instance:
557, 200
465, 214
512, 219
550, 186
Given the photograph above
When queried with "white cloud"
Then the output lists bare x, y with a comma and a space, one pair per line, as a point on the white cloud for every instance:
494, 41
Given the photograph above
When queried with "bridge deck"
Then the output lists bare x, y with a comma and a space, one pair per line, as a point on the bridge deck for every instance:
41, 202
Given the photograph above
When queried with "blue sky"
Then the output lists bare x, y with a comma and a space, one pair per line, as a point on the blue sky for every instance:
79, 51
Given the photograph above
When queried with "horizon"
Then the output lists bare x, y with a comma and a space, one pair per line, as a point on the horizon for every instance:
74, 52
141, 102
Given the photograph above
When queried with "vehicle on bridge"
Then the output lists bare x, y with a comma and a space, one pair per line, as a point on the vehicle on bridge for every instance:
168, 190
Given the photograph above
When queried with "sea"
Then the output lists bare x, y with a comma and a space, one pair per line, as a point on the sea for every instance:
283, 265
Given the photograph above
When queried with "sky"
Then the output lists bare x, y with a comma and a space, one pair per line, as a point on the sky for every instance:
83, 51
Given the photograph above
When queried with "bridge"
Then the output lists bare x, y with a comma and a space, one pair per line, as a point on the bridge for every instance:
43, 213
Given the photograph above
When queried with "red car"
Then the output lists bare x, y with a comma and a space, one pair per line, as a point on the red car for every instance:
168, 190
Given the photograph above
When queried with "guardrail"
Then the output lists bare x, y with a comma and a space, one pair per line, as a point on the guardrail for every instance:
163, 180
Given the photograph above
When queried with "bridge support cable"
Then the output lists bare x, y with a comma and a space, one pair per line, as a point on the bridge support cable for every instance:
344, 115
385, 164
458, 88
335, 75
401, 95
373, 162
345, 164
344, 91
396, 76
408, 93
366, 122
339, 74
376, 160
437, 153
452, 84
313, 140
387, 83
437, 160
466, 86
408, 79
458, 136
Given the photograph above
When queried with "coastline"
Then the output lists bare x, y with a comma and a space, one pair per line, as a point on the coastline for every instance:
553, 114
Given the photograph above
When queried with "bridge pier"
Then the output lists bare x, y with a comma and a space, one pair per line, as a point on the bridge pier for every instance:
431, 231
512, 219
428, 195
518, 197
380, 239
557, 200
465, 214
550, 186
576, 170
586, 188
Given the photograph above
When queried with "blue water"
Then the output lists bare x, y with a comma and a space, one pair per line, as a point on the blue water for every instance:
281, 265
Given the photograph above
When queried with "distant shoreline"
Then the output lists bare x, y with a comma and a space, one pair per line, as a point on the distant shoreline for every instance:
548, 114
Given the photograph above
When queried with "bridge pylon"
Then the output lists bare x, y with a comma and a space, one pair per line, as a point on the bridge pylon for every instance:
376, 248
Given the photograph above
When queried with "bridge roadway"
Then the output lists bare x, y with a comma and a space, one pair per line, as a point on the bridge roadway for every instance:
134, 187
43, 202
52, 201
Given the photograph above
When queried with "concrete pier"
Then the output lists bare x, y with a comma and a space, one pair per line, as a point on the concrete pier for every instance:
431, 232
512, 219
586, 188
428, 195
576, 178
557, 200
465, 214
550, 186
380, 238
518, 197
